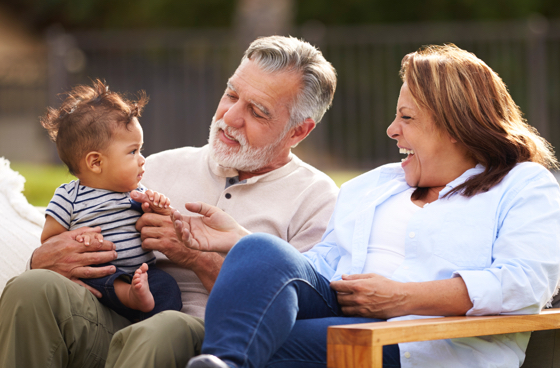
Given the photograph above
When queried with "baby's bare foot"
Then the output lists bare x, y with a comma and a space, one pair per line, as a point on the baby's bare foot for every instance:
140, 296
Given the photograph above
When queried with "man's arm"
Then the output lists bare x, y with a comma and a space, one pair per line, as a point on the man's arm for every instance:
72, 259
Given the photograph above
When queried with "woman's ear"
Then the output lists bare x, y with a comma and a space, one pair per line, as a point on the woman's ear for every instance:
94, 160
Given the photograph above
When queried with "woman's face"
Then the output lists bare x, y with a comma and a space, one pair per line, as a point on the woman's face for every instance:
433, 157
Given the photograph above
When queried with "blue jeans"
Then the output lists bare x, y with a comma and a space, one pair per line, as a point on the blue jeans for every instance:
163, 286
270, 307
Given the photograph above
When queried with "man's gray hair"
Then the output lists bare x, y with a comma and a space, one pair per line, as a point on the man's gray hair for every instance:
278, 53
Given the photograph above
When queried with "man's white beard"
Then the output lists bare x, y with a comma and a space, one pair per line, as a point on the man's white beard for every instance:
243, 157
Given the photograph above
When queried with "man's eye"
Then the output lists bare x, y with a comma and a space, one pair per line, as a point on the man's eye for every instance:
255, 114
231, 97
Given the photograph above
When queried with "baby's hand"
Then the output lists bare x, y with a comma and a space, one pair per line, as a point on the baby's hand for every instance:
157, 203
86, 238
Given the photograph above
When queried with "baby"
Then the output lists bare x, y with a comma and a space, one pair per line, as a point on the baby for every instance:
99, 138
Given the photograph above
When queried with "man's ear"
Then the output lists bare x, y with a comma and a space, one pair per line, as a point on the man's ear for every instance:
94, 160
300, 132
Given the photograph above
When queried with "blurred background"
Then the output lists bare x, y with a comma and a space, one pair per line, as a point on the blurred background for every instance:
182, 53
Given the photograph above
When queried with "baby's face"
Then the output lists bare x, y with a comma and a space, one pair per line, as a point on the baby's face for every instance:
124, 164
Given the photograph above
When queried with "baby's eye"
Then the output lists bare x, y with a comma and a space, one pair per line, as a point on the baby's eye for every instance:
133, 151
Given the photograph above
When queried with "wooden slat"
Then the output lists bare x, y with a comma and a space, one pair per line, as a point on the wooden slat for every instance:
360, 345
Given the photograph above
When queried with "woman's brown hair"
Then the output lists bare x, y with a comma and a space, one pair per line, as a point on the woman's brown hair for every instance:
470, 102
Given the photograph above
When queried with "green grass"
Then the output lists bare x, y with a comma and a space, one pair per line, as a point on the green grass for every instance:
42, 180
342, 176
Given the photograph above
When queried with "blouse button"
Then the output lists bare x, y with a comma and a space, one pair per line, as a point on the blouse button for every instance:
411, 234
407, 355
228, 196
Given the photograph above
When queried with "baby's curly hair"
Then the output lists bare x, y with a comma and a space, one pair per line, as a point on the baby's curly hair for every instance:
87, 119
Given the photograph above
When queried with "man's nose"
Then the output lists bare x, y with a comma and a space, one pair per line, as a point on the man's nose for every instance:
234, 116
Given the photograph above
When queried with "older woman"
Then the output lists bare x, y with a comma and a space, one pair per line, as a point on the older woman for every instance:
468, 223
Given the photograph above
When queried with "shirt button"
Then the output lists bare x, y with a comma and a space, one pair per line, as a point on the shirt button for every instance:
228, 196
411, 234
407, 355
232, 181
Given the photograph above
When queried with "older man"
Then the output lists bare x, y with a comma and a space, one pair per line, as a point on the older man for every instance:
279, 92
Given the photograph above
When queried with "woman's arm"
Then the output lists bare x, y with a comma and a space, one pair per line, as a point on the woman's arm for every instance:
374, 296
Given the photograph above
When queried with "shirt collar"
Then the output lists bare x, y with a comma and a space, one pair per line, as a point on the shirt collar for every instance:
461, 179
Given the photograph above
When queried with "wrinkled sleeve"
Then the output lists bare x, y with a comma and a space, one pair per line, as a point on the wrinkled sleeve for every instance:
324, 256
526, 253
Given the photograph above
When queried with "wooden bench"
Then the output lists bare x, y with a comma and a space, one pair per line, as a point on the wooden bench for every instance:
361, 345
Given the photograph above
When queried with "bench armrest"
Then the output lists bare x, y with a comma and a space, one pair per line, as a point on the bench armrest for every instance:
361, 345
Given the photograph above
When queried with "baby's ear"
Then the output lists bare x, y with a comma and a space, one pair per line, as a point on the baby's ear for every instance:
94, 161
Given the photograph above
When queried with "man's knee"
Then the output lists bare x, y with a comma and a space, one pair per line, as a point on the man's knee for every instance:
166, 326
34, 286
167, 339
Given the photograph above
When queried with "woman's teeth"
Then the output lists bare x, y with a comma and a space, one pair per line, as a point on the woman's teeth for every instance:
405, 152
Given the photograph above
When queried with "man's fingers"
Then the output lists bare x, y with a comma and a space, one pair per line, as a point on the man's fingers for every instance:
87, 272
95, 258
93, 291
139, 196
153, 220
202, 208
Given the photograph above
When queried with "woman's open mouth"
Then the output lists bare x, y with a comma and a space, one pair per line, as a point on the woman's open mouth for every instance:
408, 152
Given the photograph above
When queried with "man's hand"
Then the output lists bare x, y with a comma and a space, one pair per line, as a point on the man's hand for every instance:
214, 231
153, 202
369, 295
158, 234
70, 258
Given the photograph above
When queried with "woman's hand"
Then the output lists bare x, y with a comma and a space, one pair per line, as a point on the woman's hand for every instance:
214, 231
374, 296
370, 295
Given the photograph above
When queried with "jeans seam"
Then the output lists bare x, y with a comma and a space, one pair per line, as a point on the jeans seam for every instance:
250, 342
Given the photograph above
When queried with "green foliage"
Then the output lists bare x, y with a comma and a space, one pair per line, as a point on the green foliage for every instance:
97, 14
125, 13
41, 181
335, 12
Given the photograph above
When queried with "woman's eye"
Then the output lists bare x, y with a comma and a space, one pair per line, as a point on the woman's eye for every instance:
405, 117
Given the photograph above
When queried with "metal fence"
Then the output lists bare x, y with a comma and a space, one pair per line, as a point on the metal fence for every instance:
185, 72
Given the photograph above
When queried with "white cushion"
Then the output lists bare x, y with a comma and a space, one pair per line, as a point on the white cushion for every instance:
20, 224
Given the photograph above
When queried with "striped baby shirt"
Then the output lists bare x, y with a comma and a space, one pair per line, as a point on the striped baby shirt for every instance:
74, 206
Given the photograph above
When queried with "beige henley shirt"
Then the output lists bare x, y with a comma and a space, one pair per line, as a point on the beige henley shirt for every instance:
293, 202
